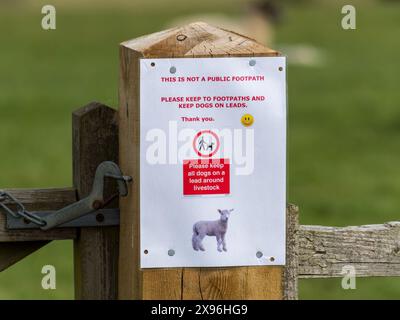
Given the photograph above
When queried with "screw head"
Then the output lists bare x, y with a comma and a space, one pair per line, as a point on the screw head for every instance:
181, 37
171, 252
172, 70
259, 254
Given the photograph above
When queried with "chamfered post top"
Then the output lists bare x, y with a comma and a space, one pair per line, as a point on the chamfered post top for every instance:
197, 39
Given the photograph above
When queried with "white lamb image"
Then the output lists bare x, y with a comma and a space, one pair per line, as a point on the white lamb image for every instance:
215, 228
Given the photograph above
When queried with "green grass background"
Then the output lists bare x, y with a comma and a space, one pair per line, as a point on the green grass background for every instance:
344, 117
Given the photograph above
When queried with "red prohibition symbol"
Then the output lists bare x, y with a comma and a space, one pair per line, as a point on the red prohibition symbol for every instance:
206, 143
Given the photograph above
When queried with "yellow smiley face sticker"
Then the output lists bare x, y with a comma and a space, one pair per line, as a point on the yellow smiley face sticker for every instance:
247, 120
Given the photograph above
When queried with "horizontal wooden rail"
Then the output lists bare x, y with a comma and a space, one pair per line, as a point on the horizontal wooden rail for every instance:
39, 200
373, 250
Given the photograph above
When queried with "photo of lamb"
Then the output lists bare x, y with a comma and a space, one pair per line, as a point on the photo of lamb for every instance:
215, 228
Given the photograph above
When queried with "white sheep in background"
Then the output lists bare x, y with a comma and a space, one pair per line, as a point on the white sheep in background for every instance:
215, 228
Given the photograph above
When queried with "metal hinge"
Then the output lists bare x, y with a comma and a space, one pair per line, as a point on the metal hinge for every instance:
84, 213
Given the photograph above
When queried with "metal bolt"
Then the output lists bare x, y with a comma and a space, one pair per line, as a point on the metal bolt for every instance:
280, 69
259, 254
252, 63
181, 37
146, 251
272, 259
171, 252
172, 70
100, 217
153, 64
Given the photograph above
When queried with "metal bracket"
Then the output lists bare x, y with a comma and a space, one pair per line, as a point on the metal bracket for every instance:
86, 212
98, 218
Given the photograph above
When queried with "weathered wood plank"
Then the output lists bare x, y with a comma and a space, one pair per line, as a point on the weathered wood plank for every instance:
373, 250
244, 282
199, 40
12, 252
292, 258
95, 139
38, 200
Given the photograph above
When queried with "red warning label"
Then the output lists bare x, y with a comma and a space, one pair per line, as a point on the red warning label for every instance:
206, 176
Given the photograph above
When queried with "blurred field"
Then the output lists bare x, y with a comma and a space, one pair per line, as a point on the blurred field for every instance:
344, 119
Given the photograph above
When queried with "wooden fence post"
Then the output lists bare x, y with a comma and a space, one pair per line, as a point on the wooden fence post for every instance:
192, 41
95, 139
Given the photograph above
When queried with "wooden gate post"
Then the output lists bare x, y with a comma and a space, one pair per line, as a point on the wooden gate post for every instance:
271, 282
95, 139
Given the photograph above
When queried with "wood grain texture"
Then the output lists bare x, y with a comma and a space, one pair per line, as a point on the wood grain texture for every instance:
374, 250
38, 200
12, 252
95, 139
236, 283
200, 40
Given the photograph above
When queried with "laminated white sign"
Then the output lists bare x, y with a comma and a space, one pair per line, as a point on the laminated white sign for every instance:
212, 162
